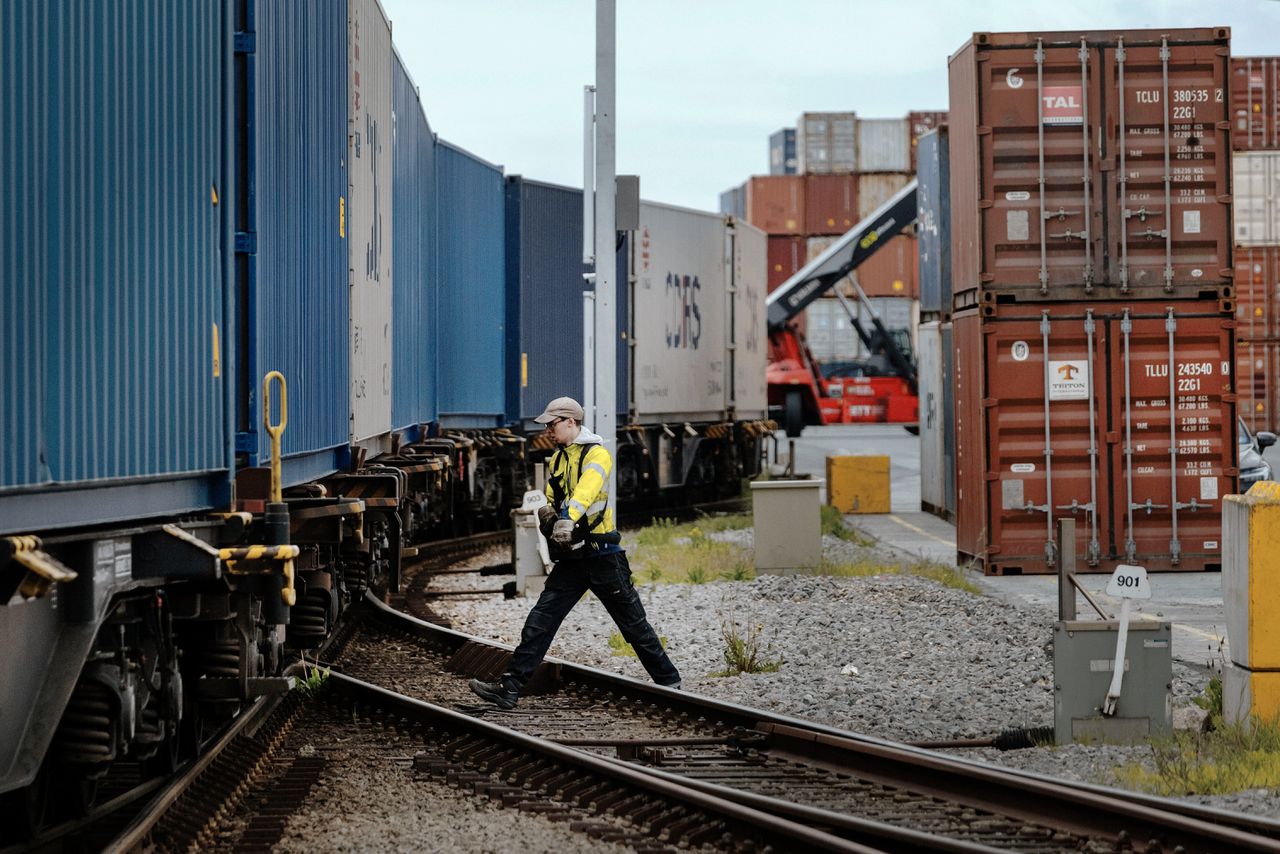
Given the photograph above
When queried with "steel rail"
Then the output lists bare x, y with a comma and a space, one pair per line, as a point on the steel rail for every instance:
1084, 809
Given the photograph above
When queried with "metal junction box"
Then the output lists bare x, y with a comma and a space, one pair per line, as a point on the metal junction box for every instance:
1084, 655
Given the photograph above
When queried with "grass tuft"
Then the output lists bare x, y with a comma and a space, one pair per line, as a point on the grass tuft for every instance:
745, 653
676, 553
618, 646
1226, 758
833, 525
313, 678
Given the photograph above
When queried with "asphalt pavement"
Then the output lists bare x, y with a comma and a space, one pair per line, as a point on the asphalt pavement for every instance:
1192, 601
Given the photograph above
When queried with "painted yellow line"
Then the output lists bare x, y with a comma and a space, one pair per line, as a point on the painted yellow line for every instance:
904, 523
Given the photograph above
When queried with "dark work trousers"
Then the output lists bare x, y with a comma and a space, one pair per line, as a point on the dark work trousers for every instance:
609, 578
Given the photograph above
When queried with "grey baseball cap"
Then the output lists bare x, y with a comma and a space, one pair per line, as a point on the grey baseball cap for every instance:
561, 407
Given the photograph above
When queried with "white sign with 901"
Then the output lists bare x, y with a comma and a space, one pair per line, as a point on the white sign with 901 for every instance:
1127, 582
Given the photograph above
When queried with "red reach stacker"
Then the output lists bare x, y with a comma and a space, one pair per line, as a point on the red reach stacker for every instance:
799, 394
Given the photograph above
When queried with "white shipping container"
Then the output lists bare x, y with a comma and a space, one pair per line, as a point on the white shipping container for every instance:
830, 333
826, 142
884, 145
876, 189
929, 377
678, 262
369, 217
1257, 189
750, 351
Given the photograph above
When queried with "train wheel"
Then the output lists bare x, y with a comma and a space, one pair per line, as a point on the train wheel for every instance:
793, 415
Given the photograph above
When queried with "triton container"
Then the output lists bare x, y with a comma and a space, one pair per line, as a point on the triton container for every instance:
1120, 415
1092, 165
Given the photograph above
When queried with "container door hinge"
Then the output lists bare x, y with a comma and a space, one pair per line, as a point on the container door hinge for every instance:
245, 43
247, 242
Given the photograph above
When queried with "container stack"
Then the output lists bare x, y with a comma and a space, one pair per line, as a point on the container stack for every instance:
935, 352
1255, 137
1092, 305
827, 174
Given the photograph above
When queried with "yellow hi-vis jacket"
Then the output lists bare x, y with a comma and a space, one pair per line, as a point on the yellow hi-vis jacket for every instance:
578, 486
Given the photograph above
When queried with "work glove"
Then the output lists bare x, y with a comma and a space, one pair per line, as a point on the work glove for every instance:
546, 516
562, 532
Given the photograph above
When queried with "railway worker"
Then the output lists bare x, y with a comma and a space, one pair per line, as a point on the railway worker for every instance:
586, 549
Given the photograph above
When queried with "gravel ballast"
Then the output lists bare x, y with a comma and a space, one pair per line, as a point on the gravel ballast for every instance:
894, 656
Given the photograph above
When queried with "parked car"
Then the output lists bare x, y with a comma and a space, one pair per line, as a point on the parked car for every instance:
1253, 467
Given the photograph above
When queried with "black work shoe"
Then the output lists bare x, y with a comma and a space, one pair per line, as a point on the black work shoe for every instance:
495, 692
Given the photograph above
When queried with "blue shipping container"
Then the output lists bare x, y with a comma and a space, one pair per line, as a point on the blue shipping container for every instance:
471, 322
544, 300
291, 259
114, 339
934, 225
413, 215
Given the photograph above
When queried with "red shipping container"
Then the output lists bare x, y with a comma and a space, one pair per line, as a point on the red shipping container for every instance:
1255, 109
775, 203
1092, 381
1058, 177
894, 270
1258, 335
830, 203
920, 122
786, 255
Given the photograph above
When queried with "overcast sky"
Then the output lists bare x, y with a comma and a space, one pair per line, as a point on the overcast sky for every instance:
702, 83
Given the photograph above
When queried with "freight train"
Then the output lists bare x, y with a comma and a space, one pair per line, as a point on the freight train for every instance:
265, 332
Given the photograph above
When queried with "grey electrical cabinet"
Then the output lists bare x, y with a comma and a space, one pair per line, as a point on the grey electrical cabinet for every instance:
1084, 655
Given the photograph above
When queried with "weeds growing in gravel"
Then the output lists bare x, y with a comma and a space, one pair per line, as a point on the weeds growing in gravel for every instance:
1225, 758
687, 554
947, 576
618, 646
313, 678
745, 653
833, 524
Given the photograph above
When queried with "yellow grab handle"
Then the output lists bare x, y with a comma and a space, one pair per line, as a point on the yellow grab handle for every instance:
275, 430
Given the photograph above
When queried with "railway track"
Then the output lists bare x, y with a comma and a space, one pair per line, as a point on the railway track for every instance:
734, 751
717, 774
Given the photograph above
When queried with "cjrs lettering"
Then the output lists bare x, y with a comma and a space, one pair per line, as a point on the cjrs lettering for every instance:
1060, 102
1148, 96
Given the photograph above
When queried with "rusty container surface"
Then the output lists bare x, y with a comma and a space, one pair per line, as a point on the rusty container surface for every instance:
775, 203
830, 204
920, 122
785, 256
1258, 335
1094, 383
1255, 109
1059, 165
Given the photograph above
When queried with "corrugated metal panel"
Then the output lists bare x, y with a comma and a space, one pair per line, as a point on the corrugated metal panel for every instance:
930, 384
292, 179
775, 203
948, 422
826, 142
829, 332
1069, 202
471, 320
413, 364
785, 257
1257, 198
893, 271
369, 201
830, 204
920, 122
876, 189
1255, 106
883, 145
933, 223
734, 201
750, 328
782, 152
114, 279
678, 318
1258, 335
1161, 506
